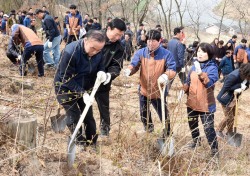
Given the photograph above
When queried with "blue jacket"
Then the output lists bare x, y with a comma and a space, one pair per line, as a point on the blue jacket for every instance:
233, 81
200, 92
226, 65
178, 50
26, 22
77, 72
3, 26
50, 27
248, 54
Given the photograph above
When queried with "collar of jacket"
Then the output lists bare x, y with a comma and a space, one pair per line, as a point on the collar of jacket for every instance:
155, 52
207, 63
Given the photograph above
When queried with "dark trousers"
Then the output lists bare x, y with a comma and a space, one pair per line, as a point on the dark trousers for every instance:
102, 99
12, 58
74, 110
71, 38
146, 113
182, 75
27, 54
208, 123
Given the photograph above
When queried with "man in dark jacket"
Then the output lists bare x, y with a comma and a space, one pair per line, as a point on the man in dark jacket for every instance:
113, 54
13, 52
128, 47
80, 65
96, 25
54, 39
176, 47
235, 83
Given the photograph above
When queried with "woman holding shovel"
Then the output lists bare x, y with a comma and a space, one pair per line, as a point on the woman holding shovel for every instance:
235, 83
199, 87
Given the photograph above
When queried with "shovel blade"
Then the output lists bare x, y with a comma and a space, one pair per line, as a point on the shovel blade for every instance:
234, 139
71, 153
166, 147
31, 68
58, 123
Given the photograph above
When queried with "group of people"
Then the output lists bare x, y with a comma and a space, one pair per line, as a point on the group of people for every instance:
100, 53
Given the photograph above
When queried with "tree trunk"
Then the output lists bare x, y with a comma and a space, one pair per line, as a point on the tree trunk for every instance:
23, 129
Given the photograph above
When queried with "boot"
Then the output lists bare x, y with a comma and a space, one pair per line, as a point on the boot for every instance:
196, 142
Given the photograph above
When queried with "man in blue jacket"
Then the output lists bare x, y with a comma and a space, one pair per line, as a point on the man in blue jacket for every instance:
54, 39
177, 48
234, 82
76, 74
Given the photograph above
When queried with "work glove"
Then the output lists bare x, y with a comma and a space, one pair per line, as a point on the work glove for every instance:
40, 30
108, 78
183, 70
127, 72
243, 85
197, 67
101, 76
163, 79
87, 99
49, 44
19, 57
238, 91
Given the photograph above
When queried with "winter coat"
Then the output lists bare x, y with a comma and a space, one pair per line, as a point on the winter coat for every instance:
12, 49
152, 66
77, 71
96, 26
50, 27
24, 35
26, 22
233, 81
226, 65
113, 55
240, 53
178, 50
200, 88
74, 21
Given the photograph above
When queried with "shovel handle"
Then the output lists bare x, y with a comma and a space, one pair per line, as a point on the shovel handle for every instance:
84, 113
236, 112
162, 93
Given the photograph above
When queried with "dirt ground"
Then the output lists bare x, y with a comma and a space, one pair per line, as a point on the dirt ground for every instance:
128, 150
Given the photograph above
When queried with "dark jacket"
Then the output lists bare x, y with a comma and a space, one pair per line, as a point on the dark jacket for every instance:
220, 52
12, 49
113, 55
178, 50
96, 26
76, 71
88, 27
226, 65
233, 81
128, 47
50, 27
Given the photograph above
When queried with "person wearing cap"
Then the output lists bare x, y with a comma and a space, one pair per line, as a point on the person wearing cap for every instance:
156, 64
32, 45
113, 54
54, 39
4, 24
74, 24
176, 47
27, 19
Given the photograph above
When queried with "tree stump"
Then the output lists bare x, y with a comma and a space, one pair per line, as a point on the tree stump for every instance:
26, 130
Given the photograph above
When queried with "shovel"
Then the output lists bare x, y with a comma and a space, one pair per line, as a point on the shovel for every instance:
166, 146
71, 144
75, 35
58, 122
233, 138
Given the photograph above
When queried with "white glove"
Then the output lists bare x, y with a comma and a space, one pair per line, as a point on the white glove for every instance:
19, 57
197, 67
163, 79
49, 44
101, 76
127, 72
108, 78
183, 70
238, 91
40, 30
86, 99
243, 85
